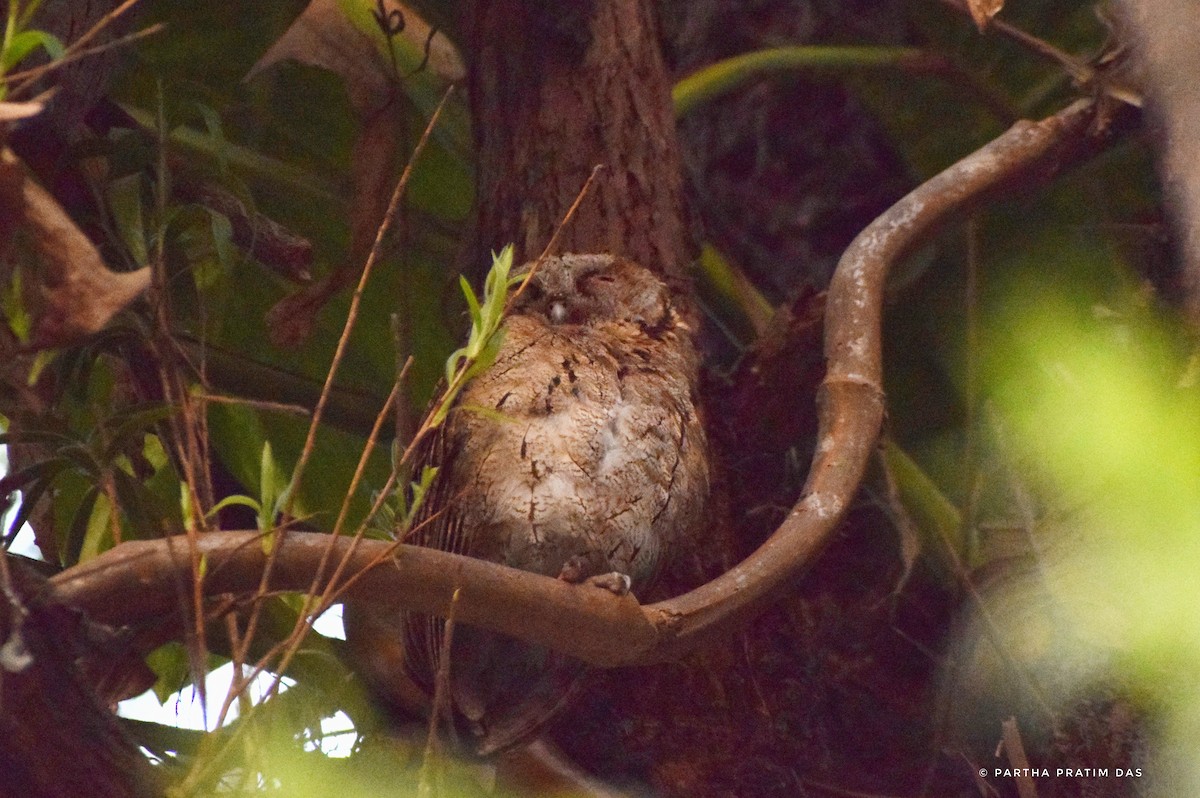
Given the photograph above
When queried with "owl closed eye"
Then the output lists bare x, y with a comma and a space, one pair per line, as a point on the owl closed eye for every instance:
595, 289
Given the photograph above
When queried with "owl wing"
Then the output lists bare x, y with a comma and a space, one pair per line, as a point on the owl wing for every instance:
437, 524
501, 690
395, 652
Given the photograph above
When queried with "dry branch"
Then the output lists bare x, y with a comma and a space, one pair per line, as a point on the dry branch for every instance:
585, 621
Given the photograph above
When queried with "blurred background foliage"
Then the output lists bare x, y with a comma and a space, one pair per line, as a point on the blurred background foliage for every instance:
1041, 389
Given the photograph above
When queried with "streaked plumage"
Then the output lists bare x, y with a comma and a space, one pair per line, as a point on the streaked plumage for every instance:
576, 454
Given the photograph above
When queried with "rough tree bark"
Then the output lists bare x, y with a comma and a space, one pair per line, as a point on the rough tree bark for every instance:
59, 739
556, 90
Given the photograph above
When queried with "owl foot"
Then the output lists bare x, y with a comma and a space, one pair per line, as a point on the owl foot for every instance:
615, 582
573, 571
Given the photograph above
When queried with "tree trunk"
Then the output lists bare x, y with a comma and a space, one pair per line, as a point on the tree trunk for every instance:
557, 90
59, 741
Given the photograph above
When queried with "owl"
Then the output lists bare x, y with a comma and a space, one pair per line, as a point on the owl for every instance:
578, 454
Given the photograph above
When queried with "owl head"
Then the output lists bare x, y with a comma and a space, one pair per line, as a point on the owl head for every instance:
591, 289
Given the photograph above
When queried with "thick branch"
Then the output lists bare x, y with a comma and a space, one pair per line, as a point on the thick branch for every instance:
586, 621
589, 622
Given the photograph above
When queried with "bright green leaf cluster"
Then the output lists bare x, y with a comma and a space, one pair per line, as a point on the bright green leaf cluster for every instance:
273, 496
486, 336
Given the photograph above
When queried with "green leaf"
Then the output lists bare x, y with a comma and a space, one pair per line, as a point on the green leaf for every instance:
26, 507
725, 76
222, 239
138, 505
12, 302
125, 202
487, 355
186, 510
420, 489
97, 536
171, 665
25, 42
216, 130
452, 363
42, 359
82, 458
77, 531
237, 499
472, 302
36, 436
130, 426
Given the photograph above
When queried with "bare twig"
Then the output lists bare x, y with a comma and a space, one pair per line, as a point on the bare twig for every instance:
1080, 72
315, 605
441, 697
258, 404
562, 225
339, 353
26, 78
356, 299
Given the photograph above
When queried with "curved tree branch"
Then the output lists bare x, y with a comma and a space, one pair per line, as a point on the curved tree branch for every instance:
585, 621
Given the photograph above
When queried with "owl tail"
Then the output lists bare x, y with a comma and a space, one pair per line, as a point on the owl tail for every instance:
504, 691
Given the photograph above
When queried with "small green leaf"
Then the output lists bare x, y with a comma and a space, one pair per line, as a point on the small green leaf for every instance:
36, 436
137, 504
420, 489
222, 239
487, 355
25, 42
98, 537
216, 130
42, 359
230, 501
452, 363
131, 426
170, 664
268, 488
472, 301
185, 507
12, 302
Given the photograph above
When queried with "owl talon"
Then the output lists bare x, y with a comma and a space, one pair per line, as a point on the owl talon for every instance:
615, 582
572, 570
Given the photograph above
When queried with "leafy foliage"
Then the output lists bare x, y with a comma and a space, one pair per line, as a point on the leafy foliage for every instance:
1041, 343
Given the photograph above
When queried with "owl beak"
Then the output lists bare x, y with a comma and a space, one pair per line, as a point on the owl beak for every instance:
558, 311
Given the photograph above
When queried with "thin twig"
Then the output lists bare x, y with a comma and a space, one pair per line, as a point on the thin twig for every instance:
583, 192
356, 299
351, 317
314, 606
441, 694
22, 80
260, 404
1080, 72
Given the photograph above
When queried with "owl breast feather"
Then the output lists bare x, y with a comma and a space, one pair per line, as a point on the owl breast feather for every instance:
578, 453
